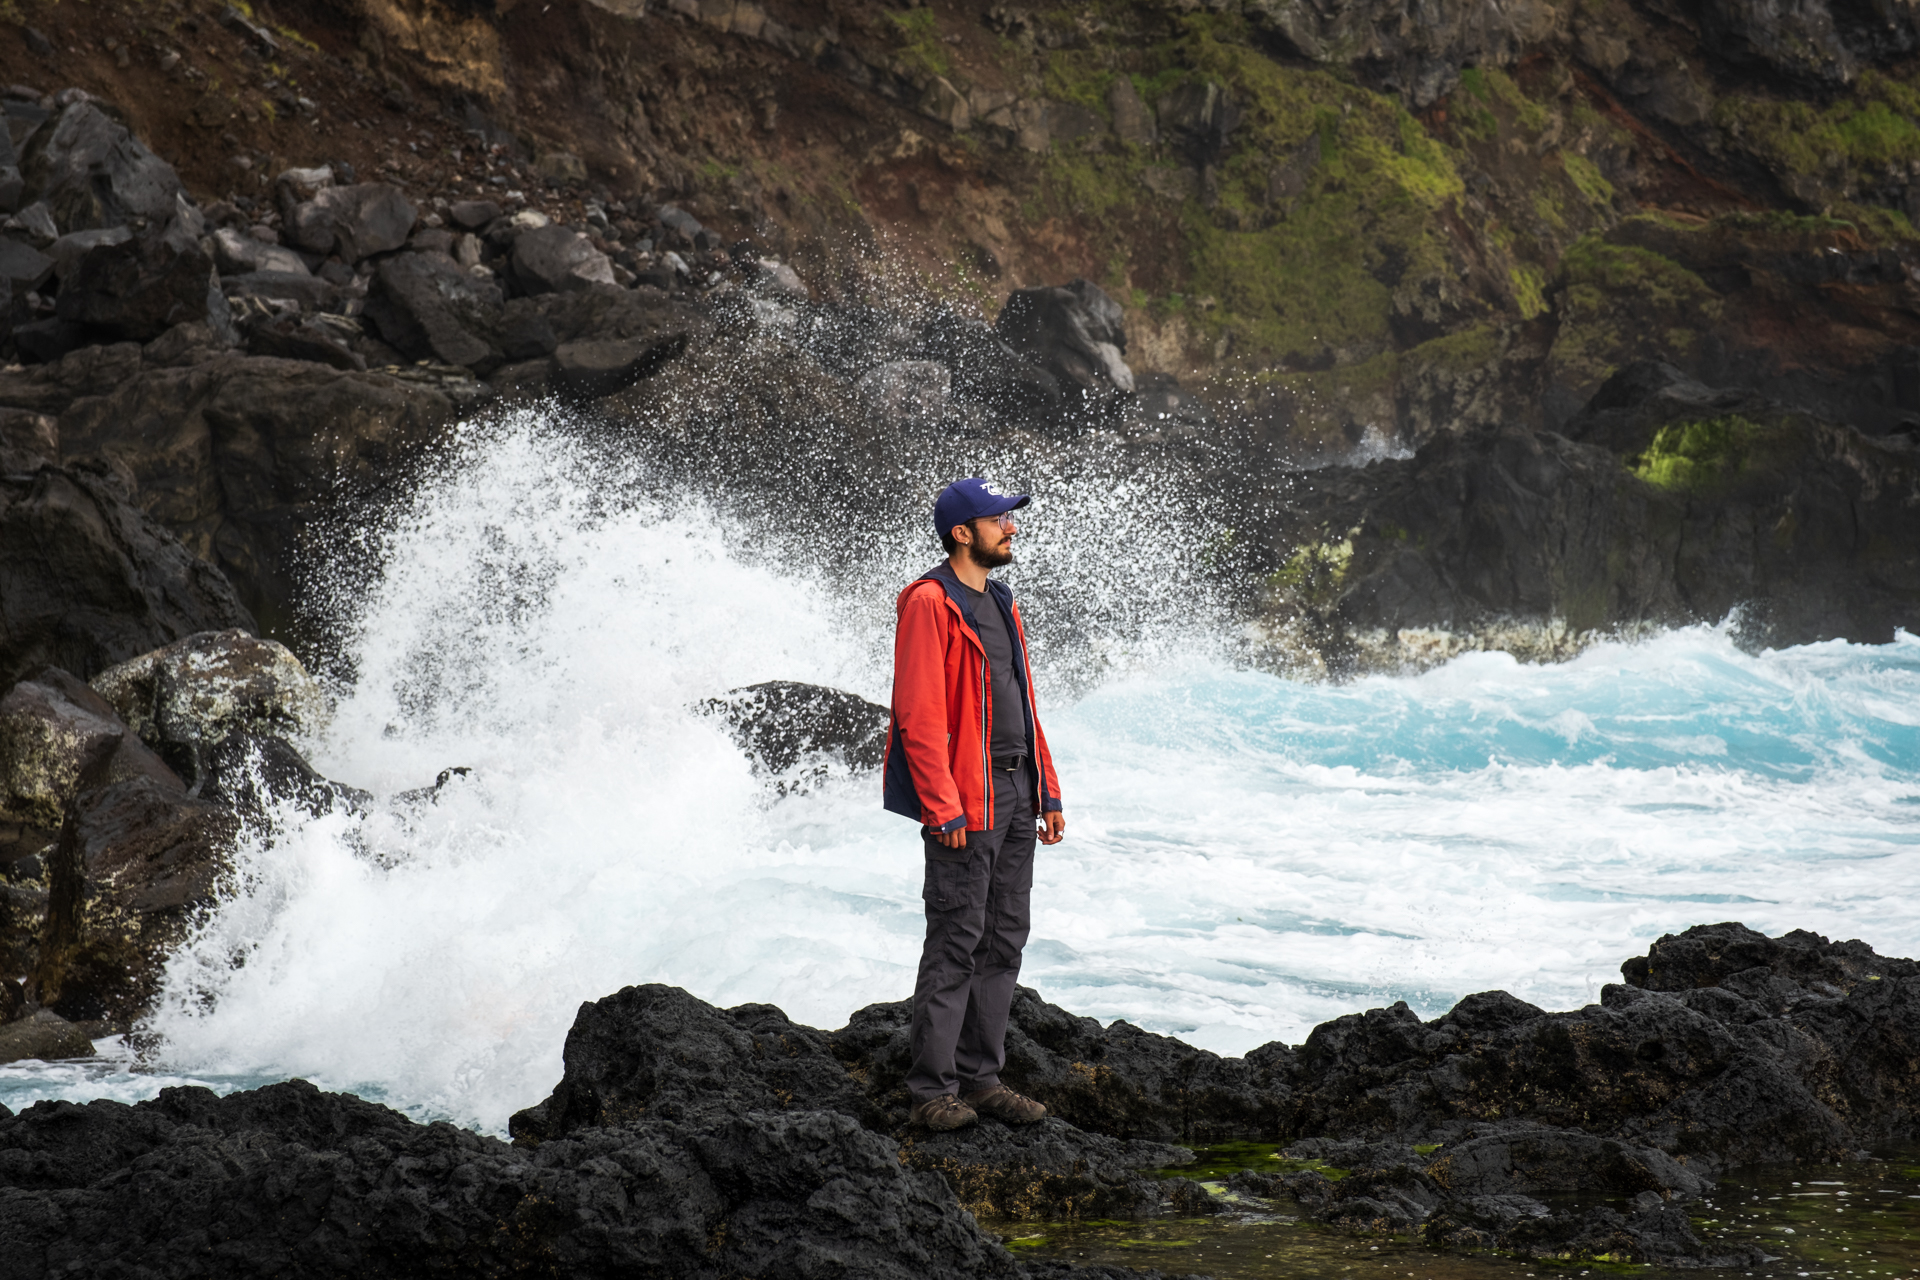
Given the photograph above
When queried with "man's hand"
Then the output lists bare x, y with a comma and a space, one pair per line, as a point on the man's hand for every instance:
952, 839
1053, 827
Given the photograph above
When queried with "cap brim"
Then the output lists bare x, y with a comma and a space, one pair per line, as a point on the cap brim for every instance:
1010, 502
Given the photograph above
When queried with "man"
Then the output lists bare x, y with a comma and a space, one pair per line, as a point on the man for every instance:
965, 756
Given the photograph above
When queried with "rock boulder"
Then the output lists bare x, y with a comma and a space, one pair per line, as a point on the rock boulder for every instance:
28, 441
655, 1050
236, 253
45, 1035
136, 290
91, 581
1076, 333
557, 259
983, 370
427, 308
294, 1182
194, 694
781, 722
56, 735
241, 456
90, 172
1118, 1080
135, 861
354, 221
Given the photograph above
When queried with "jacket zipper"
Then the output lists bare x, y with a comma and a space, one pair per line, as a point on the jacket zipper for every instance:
986, 753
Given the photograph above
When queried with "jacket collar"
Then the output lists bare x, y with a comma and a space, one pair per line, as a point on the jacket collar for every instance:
943, 574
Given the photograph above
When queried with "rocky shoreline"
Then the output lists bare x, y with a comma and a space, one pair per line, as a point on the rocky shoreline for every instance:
690, 1140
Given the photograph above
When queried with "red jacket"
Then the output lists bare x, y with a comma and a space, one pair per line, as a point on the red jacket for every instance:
937, 764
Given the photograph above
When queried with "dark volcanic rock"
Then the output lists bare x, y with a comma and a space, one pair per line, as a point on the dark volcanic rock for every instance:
782, 722
1776, 972
1049, 1171
1198, 117
252, 773
1076, 333
28, 441
657, 1051
430, 309
1811, 529
23, 266
474, 215
136, 859
1414, 50
355, 221
557, 259
199, 690
290, 1181
985, 371
136, 290
242, 455
592, 368
1116, 1080
302, 339
91, 581
57, 735
91, 172
43, 1034
1707, 1074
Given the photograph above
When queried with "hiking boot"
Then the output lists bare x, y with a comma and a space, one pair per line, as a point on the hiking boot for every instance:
943, 1113
1006, 1106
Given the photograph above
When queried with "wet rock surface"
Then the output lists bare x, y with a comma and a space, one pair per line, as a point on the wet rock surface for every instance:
1454, 1129
1076, 333
674, 1117
45, 1035
194, 694
92, 580
781, 723
120, 803
1116, 1080
291, 1181
1808, 529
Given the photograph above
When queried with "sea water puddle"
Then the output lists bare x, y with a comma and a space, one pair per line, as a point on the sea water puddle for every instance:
1818, 1222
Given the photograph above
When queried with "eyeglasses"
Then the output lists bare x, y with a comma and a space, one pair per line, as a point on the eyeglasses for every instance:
1004, 520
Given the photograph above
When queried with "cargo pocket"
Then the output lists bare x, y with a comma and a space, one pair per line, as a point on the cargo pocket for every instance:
956, 878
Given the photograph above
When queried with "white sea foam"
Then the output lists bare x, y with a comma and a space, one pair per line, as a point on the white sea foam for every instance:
1247, 855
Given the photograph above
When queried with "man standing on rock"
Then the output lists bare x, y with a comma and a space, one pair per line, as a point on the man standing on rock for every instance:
965, 756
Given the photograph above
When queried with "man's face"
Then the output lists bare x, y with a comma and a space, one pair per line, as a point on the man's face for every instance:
992, 544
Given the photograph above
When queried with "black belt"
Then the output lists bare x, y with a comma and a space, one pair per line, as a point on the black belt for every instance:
1009, 762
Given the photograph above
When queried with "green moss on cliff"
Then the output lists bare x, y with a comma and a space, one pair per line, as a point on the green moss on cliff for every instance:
1324, 408
1694, 455
1587, 178
1079, 76
1620, 303
1834, 148
920, 45
1319, 274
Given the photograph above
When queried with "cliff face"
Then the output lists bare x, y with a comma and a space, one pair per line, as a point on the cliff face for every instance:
1329, 217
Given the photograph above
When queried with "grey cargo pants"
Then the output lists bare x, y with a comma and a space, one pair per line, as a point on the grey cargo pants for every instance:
978, 914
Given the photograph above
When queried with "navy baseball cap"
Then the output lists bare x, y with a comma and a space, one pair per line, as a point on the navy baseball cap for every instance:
969, 499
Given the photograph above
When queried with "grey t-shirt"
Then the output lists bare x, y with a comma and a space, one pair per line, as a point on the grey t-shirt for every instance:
1009, 704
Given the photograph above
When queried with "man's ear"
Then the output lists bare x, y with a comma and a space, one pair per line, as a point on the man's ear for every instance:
966, 541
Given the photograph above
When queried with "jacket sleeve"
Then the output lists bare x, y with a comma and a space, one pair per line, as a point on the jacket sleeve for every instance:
1050, 801
920, 707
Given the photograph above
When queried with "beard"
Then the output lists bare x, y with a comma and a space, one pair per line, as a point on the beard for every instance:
990, 559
